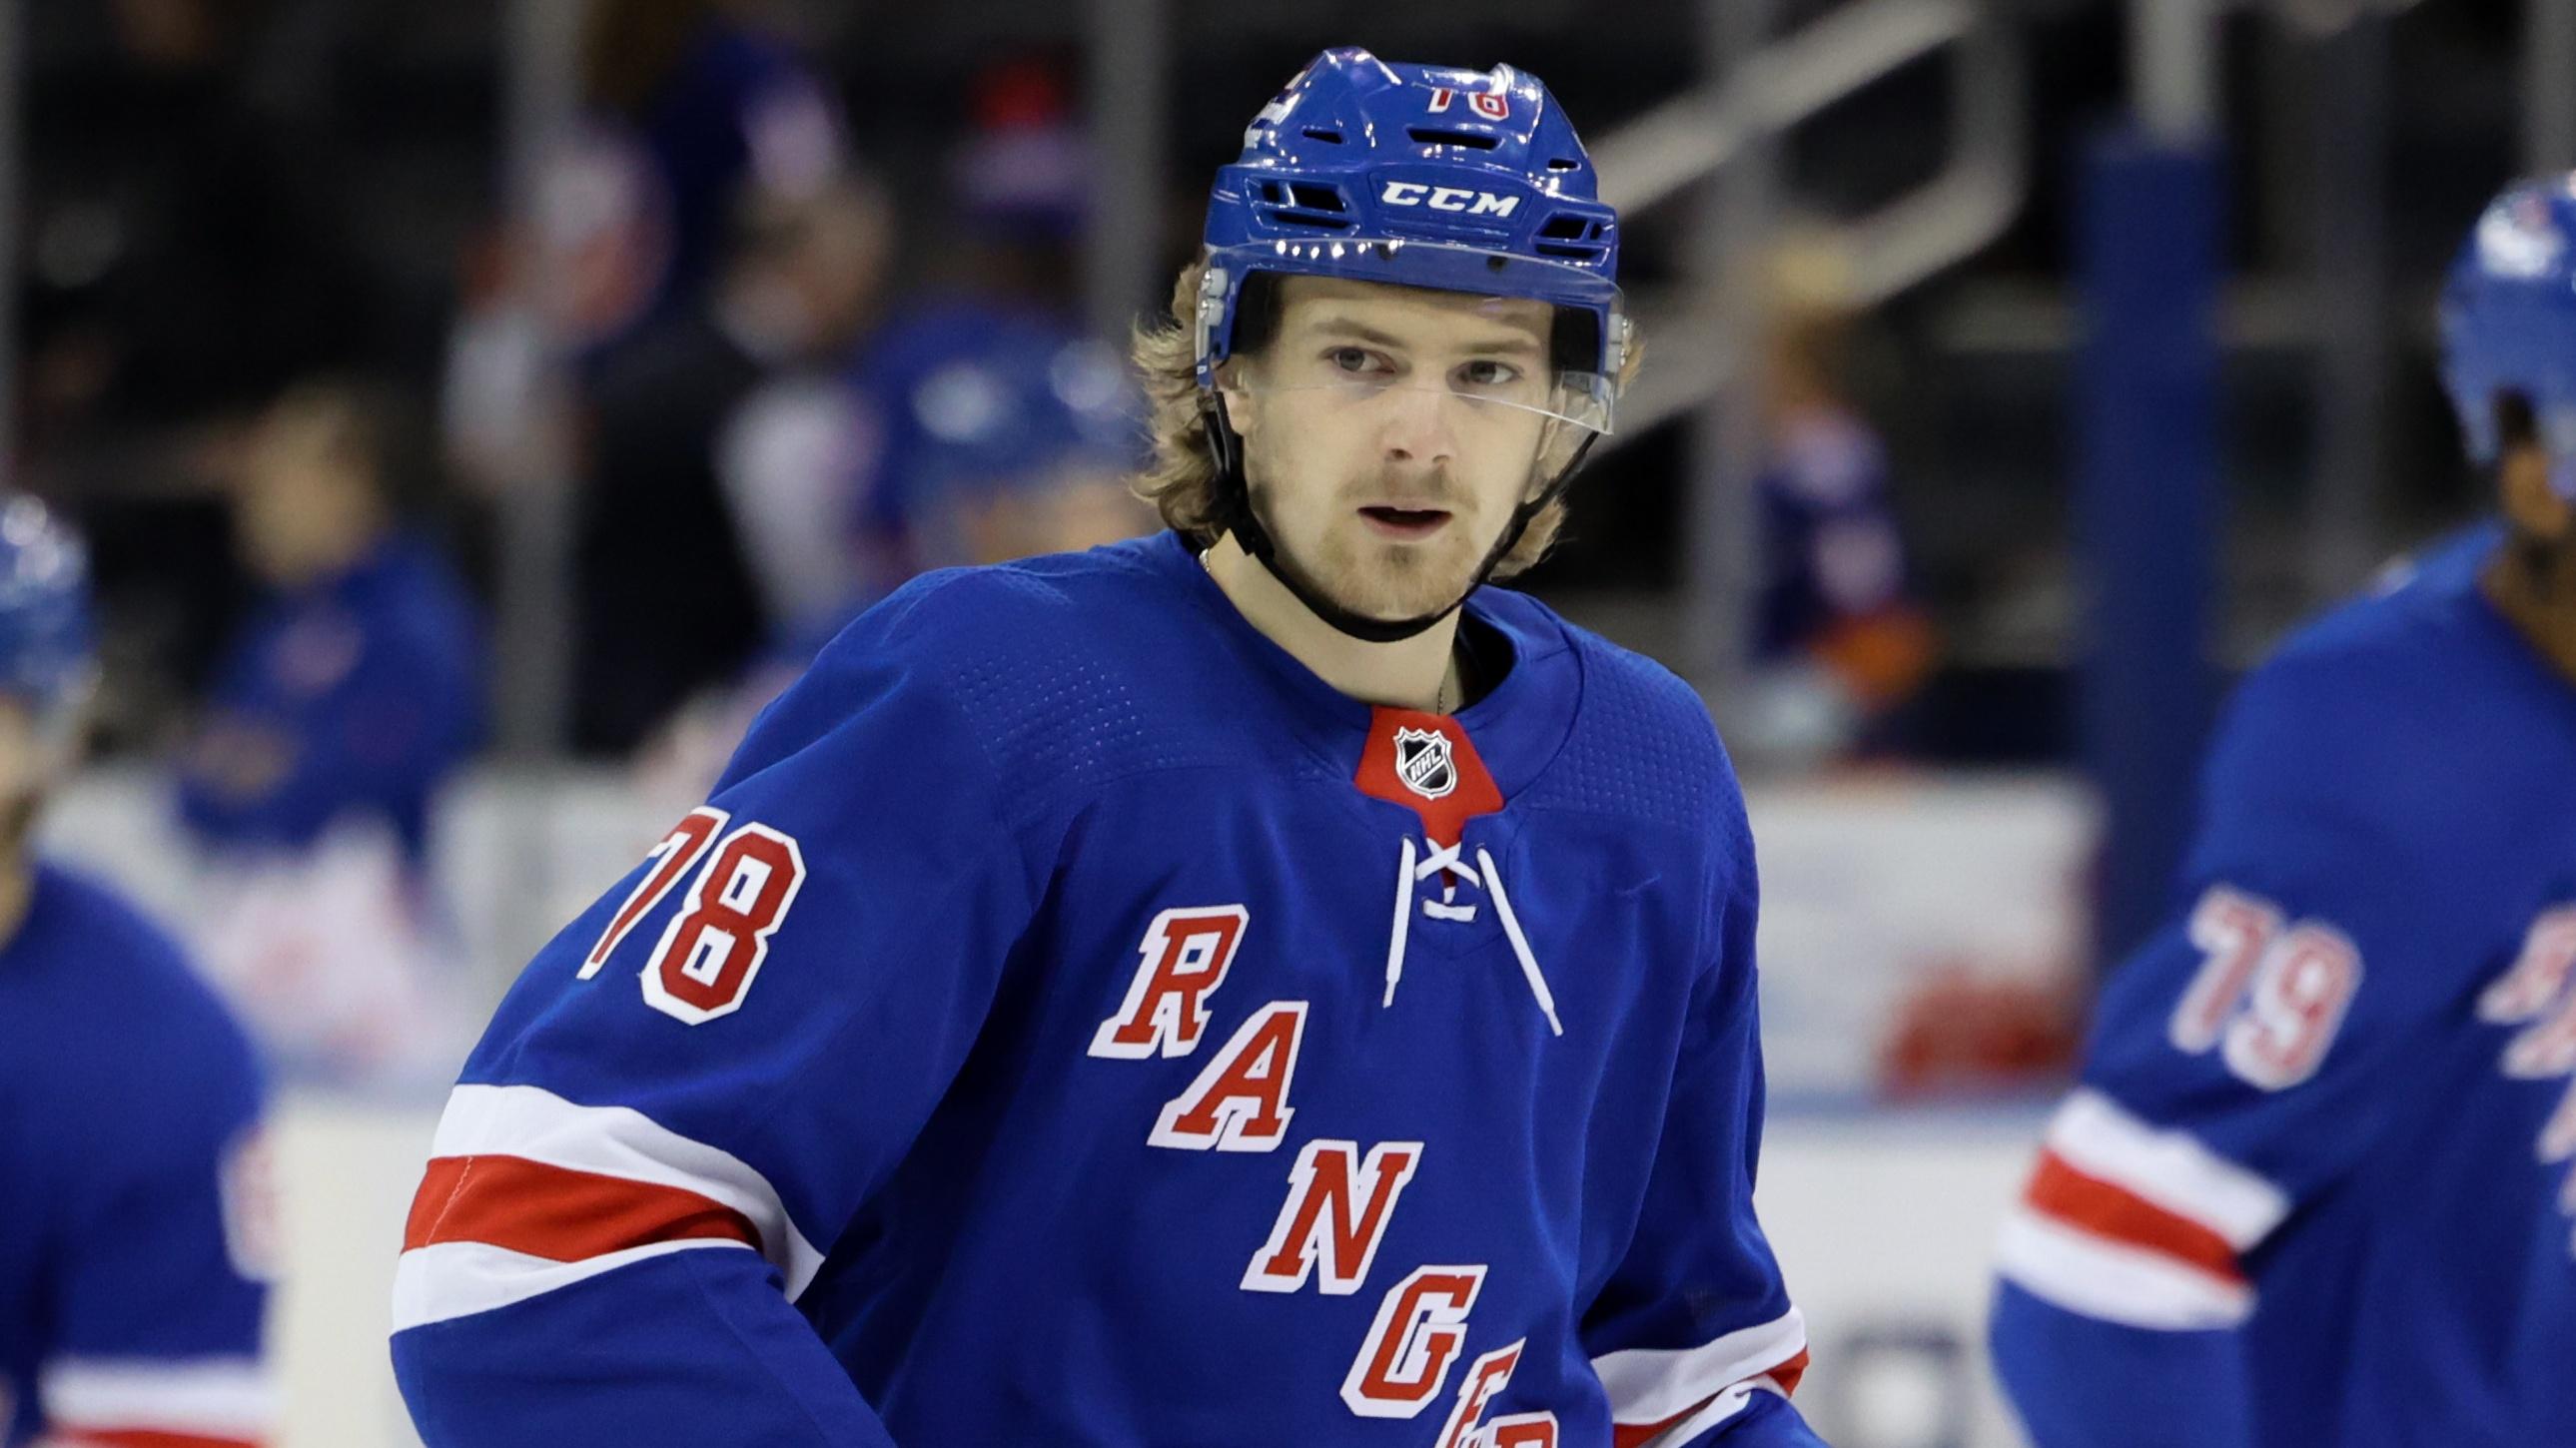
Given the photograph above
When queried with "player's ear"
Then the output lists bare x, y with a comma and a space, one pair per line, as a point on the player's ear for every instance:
1237, 396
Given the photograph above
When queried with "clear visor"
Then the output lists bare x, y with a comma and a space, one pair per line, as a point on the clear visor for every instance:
1554, 414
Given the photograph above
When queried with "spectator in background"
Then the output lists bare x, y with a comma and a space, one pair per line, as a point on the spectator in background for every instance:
1024, 451
713, 514
688, 108
1842, 643
999, 293
344, 702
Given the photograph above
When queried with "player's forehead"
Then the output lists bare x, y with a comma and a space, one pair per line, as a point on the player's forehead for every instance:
1324, 308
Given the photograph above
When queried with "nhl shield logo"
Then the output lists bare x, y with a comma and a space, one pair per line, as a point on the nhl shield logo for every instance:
1423, 762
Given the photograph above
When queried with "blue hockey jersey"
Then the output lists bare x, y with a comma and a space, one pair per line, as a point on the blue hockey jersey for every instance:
1071, 1022
133, 1174
355, 696
2318, 1188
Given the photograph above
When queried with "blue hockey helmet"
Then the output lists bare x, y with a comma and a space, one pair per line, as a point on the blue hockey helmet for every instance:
1417, 176
2509, 322
1422, 176
1024, 416
48, 641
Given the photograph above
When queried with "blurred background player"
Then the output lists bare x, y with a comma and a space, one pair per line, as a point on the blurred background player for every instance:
996, 303
342, 705
2318, 1189
1012, 449
132, 1168
1016, 452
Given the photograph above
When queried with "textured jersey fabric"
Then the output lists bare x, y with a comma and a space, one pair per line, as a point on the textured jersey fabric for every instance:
1071, 1022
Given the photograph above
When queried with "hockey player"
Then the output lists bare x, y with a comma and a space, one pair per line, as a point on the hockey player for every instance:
1248, 986
343, 705
2315, 1190
132, 1171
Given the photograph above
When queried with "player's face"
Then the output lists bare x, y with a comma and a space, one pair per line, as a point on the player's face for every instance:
1390, 433
299, 497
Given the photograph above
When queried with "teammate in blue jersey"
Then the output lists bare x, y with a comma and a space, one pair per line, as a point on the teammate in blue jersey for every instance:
346, 701
353, 691
1002, 436
1249, 986
132, 1170
2318, 1188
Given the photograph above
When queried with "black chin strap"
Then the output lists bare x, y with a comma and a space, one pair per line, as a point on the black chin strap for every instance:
1236, 515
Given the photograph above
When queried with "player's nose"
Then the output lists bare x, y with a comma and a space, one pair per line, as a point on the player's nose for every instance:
1417, 427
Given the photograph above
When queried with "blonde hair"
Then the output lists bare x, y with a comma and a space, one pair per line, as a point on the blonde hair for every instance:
1181, 482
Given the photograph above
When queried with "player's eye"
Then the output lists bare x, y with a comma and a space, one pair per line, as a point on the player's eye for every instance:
1486, 374
1356, 362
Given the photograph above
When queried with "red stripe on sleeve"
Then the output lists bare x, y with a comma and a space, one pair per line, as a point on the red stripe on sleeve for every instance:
1633, 1435
560, 1214
2090, 1204
140, 1438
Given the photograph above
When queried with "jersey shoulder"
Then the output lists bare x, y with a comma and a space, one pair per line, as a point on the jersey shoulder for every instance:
1643, 745
2410, 706
1065, 671
2407, 743
105, 1007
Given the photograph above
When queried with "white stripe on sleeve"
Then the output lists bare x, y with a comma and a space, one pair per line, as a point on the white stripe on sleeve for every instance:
618, 1141
2103, 1279
2167, 1168
228, 1398
1650, 1385
458, 1279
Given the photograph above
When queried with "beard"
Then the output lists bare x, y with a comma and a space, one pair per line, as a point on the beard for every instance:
1382, 578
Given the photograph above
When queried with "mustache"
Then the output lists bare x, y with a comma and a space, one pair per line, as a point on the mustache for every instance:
1424, 491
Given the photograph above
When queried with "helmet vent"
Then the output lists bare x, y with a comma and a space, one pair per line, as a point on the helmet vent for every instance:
1299, 203
1564, 163
1573, 236
1431, 136
1324, 134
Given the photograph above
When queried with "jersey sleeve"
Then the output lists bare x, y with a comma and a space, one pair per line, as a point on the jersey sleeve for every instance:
2240, 1062
1694, 1337
159, 1277
689, 1093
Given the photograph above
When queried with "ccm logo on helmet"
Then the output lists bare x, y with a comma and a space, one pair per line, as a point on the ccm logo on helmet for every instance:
1448, 198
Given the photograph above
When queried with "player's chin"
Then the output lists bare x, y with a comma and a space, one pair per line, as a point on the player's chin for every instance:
1403, 583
